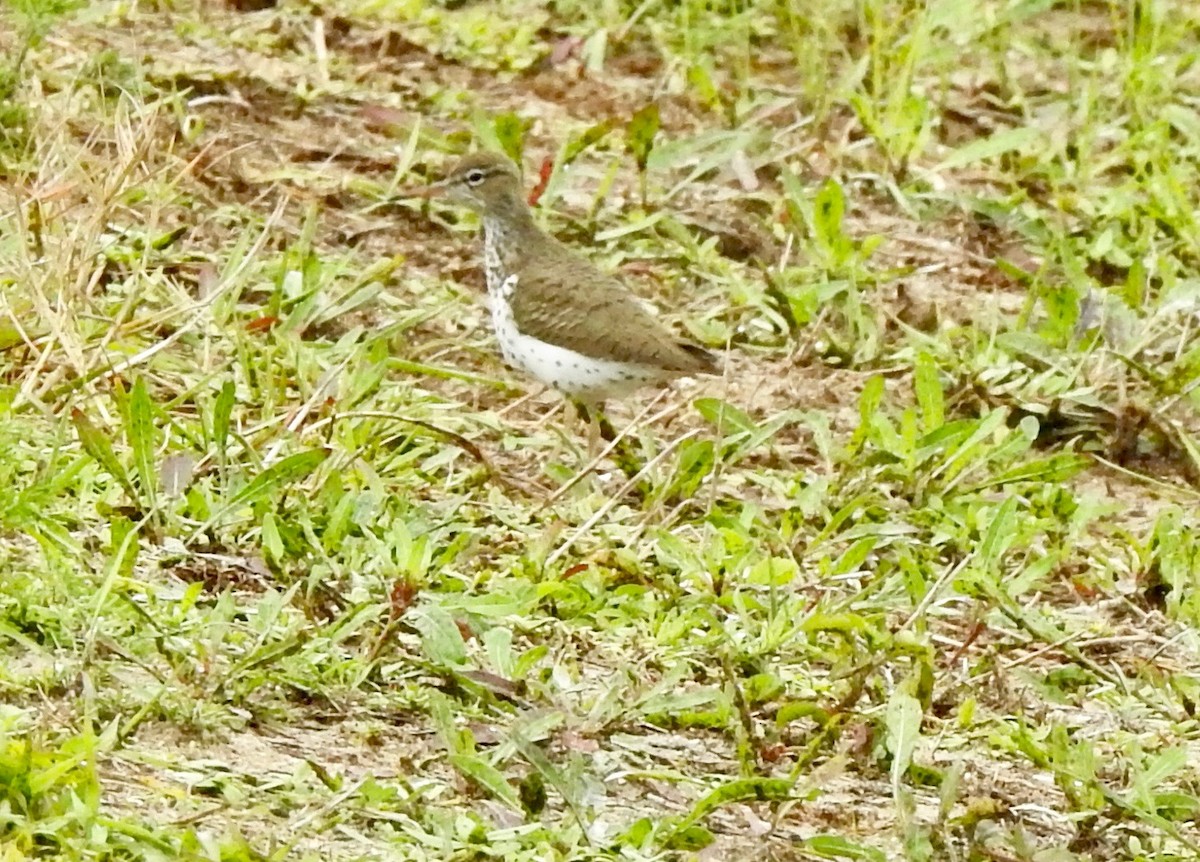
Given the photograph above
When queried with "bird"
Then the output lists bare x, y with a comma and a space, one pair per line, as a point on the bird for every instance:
556, 316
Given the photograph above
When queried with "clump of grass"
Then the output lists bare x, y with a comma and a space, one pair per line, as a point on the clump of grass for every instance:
33, 20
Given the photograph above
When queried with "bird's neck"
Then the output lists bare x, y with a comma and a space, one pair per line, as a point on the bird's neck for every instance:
509, 229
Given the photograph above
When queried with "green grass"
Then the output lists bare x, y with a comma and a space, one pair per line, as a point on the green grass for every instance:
293, 568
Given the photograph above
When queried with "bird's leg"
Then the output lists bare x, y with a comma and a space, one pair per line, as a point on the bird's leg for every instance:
601, 428
604, 427
591, 416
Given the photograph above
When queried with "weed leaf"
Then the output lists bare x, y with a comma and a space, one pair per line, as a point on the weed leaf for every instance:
222, 414
284, 472
98, 445
640, 133
903, 721
140, 432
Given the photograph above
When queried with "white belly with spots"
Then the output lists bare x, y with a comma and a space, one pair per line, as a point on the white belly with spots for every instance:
571, 373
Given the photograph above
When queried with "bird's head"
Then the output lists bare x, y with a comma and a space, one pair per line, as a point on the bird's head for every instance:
485, 182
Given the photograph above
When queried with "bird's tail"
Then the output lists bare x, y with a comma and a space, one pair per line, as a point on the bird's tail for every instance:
706, 360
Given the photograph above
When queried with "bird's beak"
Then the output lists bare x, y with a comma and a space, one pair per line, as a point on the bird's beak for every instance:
433, 190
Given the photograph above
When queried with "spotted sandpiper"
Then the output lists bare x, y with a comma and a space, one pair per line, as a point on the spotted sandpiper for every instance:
555, 314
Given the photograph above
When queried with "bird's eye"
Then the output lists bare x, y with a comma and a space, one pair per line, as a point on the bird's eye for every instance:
475, 177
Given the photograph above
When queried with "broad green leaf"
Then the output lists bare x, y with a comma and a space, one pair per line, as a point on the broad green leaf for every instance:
440, 636
738, 790
412, 554
1055, 468
929, 392
1033, 575
841, 516
488, 777
222, 413
9, 335
823, 622
694, 462
1062, 305
883, 434
969, 448
903, 722
772, 572
724, 416
281, 473
689, 839
673, 702
98, 445
762, 687
868, 407
1001, 142
361, 295
829, 210
124, 547
640, 133
1001, 533
854, 556
944, 436
837, 847
514, 599
908, 439
636, 835
701, 84
271, 541
441, 713
510, 134
801, 709
578, 144
871, 398
1161, 767
498, 642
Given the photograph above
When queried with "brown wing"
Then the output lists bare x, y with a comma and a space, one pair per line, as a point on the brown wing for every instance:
596, 315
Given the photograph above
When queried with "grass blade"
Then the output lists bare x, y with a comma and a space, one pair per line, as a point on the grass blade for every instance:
140, 432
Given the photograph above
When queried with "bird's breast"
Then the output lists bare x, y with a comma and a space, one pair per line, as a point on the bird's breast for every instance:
495, 271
